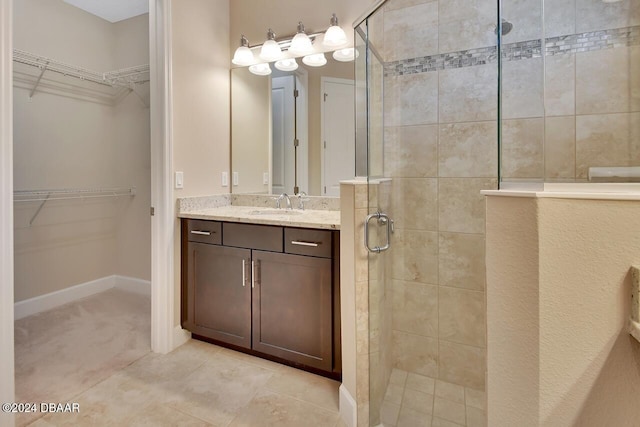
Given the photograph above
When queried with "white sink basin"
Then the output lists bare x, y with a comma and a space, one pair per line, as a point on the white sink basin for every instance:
271, 211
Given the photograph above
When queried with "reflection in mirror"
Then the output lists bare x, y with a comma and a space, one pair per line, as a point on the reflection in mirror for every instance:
283, 143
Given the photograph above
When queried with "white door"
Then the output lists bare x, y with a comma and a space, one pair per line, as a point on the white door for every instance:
283, 154
338, 134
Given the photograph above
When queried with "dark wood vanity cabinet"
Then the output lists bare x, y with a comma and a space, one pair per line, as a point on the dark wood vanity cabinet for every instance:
268, 290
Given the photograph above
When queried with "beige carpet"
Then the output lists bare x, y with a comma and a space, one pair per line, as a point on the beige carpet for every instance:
65, 351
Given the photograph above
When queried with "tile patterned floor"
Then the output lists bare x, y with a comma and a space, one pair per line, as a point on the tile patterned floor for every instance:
200, 384
413, 400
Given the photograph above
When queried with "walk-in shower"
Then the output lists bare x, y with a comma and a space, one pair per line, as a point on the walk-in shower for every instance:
446, 108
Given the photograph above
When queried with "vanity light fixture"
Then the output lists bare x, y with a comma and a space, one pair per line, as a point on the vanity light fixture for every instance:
334, 36
270, 50
262, 69
243, 55
346, 55
301, 43
315, 60
289, 64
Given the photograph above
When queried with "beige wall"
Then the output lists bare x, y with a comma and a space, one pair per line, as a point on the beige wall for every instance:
132, 140
201, 112
63, 141
567, 337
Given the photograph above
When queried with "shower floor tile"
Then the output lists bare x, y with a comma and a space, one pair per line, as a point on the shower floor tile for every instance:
420, 401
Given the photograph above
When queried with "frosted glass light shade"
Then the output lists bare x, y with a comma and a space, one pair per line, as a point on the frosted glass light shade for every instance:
289, 64
260, 69
346, 55
334, 37
270, 51
316, 60
301, 43
242, 56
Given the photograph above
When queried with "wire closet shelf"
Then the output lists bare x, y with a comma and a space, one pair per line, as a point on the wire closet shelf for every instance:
71, 193
125, 77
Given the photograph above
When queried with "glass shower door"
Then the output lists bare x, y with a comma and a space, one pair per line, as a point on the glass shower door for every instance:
427, 104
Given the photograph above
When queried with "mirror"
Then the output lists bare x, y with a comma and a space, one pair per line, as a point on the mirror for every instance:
280, 141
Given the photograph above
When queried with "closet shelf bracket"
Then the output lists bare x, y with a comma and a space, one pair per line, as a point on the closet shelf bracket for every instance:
35, 86
33, 218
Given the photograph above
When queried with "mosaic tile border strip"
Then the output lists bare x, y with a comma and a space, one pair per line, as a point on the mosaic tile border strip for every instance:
593, 40
573, 43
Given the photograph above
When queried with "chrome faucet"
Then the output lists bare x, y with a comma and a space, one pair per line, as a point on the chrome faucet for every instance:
302, 197
284, 196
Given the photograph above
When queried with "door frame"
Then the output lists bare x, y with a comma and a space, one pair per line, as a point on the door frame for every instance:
7, 384
163, 335
324, 80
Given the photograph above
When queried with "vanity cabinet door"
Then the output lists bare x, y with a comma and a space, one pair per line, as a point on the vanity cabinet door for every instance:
219, 293
292, 308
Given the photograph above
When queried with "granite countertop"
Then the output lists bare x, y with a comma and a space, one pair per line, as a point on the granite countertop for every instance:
319, 219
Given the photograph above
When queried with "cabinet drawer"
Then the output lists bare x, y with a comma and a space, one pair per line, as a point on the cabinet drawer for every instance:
204, 231
262, 237
307, 242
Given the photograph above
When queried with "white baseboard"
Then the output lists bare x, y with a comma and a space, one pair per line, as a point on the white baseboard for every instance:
348, 407
180, 336
64, 296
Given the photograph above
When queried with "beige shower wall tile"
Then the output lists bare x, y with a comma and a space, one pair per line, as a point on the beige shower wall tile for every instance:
602, 82
607, 140
634, 72
411, 151
415, 308
416, 203
453, 11
462, 364
415, 257
411, 99
414, 353
523, 148
461, 260
417, 24
361, 254
466, 24
559, 17
468, 149
594, 15
461, 206
560, 147
526, 17
362, 376
523, 88
462, 316
400, 4
560, 85
468, 94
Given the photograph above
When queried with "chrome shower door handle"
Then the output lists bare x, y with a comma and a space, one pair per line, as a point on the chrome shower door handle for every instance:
384, 220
